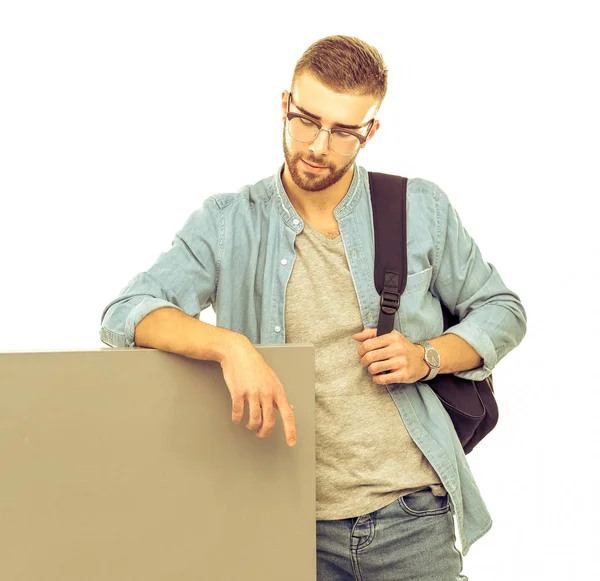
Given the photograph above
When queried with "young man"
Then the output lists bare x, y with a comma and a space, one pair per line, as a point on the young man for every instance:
291, 259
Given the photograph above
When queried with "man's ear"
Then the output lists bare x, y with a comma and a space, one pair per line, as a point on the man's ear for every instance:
284, 100
374, 130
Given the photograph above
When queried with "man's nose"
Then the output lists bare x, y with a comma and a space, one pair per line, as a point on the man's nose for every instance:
320, 144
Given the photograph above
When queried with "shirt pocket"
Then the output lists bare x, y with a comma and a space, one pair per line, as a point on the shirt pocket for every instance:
416, 281
417, 316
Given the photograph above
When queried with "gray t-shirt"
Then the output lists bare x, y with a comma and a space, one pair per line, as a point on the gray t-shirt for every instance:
366, 459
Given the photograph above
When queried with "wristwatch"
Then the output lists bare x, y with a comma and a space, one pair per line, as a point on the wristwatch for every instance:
432, 358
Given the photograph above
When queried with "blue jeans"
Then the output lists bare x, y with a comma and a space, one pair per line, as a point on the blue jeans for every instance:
411, 539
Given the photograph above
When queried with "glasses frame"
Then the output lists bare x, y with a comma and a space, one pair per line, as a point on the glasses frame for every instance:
331, 130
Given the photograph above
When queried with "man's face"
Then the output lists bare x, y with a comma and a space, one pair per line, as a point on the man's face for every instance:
314, 166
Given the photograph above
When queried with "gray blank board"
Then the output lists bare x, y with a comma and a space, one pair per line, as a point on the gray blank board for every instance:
124, 465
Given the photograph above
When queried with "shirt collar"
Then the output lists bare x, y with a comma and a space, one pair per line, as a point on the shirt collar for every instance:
292, 218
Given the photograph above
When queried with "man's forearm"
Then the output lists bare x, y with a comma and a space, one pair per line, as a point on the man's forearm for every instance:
455, 354
169, 329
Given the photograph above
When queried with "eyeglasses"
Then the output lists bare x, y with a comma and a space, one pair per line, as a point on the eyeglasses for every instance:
305, 129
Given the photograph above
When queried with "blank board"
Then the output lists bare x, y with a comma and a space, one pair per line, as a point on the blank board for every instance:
124, 465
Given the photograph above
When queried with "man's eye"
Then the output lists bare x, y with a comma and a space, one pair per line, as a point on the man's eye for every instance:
306, 122
344, 135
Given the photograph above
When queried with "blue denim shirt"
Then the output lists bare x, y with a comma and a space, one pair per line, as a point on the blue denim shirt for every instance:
236, 253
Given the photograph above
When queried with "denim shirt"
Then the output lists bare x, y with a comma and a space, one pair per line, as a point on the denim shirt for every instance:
236, 253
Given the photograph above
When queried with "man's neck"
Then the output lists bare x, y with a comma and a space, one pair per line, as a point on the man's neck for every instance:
316, 207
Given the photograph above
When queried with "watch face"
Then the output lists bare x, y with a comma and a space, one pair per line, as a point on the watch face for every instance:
433, 358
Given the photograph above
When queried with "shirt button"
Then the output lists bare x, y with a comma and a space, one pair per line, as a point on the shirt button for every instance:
295, 221
354, 254
277, 329
283, 261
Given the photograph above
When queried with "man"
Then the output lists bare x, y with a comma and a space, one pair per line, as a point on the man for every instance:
290, 259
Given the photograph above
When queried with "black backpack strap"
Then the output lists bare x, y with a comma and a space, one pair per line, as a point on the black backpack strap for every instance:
388, 198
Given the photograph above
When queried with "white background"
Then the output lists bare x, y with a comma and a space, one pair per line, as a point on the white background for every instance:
118, 118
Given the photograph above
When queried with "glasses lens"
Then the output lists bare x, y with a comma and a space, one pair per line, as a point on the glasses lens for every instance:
302, 129
341, 142
344, 143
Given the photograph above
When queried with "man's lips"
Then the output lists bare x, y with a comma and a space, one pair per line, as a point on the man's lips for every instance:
313, 165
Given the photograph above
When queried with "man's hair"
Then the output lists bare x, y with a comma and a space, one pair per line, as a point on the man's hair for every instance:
345, 64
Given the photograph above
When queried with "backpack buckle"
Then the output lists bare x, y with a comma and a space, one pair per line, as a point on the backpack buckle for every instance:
390, 302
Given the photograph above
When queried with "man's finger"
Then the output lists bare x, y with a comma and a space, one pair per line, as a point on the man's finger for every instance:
374, 354
365, 334
237, 411
268, 419
286, 410
255, 418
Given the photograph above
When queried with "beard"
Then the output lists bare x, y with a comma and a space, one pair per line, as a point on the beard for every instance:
310, 182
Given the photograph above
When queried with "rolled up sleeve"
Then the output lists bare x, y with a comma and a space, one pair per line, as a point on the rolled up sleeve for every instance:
491, 317
185, 277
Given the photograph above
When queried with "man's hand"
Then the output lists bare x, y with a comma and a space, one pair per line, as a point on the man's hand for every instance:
250, 380
393, 352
